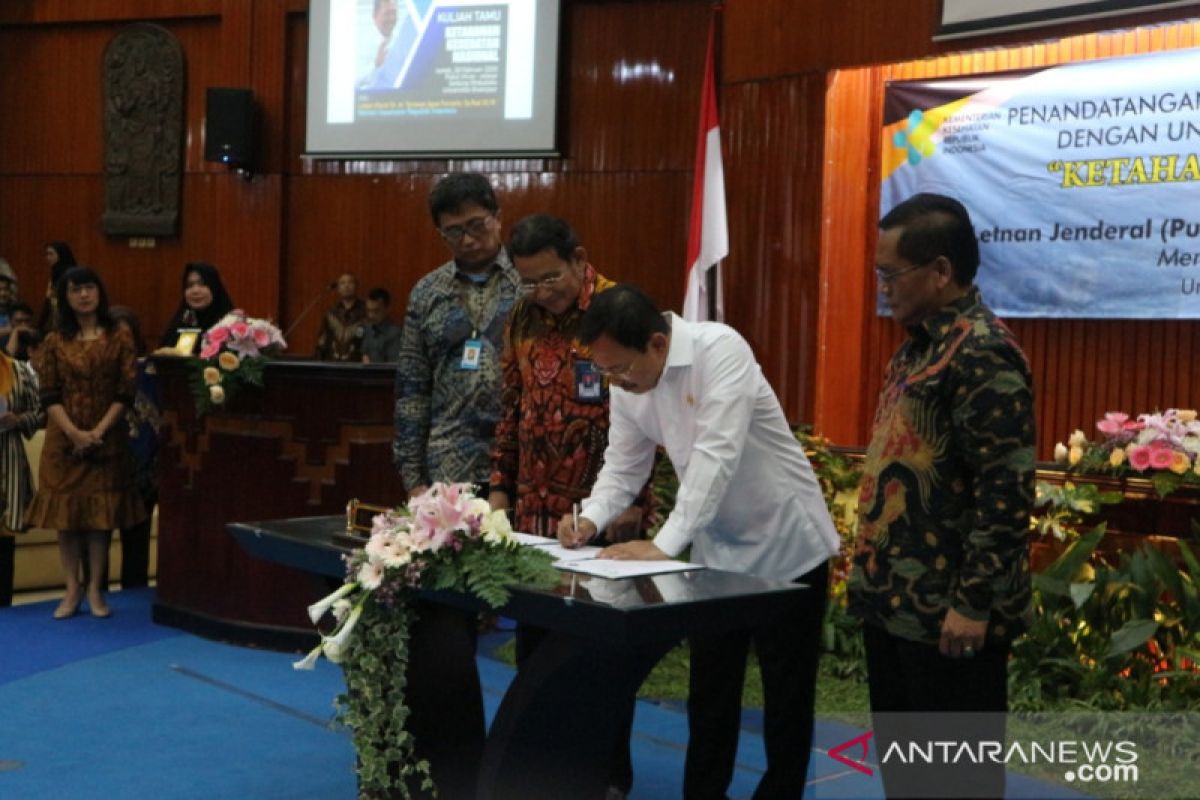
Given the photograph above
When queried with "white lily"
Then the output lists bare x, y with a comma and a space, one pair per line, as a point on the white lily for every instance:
309, 661
334, 646
318, 609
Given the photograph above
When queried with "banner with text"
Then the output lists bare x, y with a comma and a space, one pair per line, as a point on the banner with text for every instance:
1083, 181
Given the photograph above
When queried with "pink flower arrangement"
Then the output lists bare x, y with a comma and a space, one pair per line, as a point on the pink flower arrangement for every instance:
232, 354
421, 544
240, 334
1166, 443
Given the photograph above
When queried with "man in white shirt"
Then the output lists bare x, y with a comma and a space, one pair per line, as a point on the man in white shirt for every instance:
747, 502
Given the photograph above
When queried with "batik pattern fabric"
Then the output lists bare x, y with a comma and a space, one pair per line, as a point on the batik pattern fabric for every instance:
446, 415
144, 419
340, 337
93, 491
948, 481
549, 444
23, 401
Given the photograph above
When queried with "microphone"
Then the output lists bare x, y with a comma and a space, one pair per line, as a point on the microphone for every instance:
316, 299
189, 318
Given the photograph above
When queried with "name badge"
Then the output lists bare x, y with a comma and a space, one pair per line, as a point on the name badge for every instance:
589, 383
472, 349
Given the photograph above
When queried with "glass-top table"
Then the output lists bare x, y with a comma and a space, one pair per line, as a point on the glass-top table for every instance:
605, 635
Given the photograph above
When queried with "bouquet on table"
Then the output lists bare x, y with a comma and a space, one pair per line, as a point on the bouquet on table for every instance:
1164, 447
447, 538
232, 355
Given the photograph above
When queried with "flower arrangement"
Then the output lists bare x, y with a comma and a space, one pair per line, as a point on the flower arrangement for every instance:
445, 539
232, 355
1164, 447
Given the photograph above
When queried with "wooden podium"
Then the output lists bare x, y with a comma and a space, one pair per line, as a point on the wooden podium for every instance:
605, 636
317, 435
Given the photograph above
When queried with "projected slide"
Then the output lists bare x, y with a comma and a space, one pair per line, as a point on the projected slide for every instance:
408, 76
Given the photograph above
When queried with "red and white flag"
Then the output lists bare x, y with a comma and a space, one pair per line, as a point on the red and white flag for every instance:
708, 233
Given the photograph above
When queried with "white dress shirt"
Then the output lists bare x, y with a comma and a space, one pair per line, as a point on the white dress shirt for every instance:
748, 500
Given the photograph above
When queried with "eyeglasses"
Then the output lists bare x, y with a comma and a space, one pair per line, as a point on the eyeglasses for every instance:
887, 276
617, 372
476, 226
544, 282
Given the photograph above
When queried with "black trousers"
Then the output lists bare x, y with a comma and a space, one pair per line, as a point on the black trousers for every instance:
8, 550
788, 650
919, 695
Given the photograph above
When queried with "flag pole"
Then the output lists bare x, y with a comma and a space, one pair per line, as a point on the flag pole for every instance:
708, 236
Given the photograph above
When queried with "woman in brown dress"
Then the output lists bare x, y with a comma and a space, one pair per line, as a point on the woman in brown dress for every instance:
87, 367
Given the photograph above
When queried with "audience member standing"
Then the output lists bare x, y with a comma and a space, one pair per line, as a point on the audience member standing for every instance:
340, 337
380, 336
59, 258
22, 415
144, 420
203, 304
87, 368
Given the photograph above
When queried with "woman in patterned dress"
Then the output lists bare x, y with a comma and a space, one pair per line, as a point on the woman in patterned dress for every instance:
22, 415
87, 367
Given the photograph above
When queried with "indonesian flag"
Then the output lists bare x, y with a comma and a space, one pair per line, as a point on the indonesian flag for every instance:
708, 234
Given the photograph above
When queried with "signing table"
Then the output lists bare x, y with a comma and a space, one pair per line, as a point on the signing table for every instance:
605, 636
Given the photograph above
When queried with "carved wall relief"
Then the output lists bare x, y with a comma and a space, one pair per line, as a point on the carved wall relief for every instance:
143, 132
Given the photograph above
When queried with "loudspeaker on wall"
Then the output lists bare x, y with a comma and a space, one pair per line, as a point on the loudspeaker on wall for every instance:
229, 127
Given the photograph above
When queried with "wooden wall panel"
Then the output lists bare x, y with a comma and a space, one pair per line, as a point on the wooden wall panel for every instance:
379, 228
847, 281
799, 163
772, 287
1081, 368
629, 108
768, 38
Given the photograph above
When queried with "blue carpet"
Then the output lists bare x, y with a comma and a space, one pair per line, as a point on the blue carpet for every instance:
178, 718
33, 641
122, 708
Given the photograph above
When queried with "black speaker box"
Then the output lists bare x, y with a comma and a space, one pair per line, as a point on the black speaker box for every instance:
229, 127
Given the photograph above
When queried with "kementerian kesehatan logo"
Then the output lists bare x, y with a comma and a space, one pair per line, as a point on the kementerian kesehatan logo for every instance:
916, 138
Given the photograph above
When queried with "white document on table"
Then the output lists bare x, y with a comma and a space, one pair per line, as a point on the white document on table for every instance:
583, 559
613, 568
556, 550
532, 539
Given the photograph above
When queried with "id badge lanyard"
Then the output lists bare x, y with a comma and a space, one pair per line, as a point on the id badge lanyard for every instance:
472, 351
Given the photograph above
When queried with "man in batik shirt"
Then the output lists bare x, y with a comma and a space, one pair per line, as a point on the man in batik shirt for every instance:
554, 410
340, 337
447, 404
448, 370
941, 574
